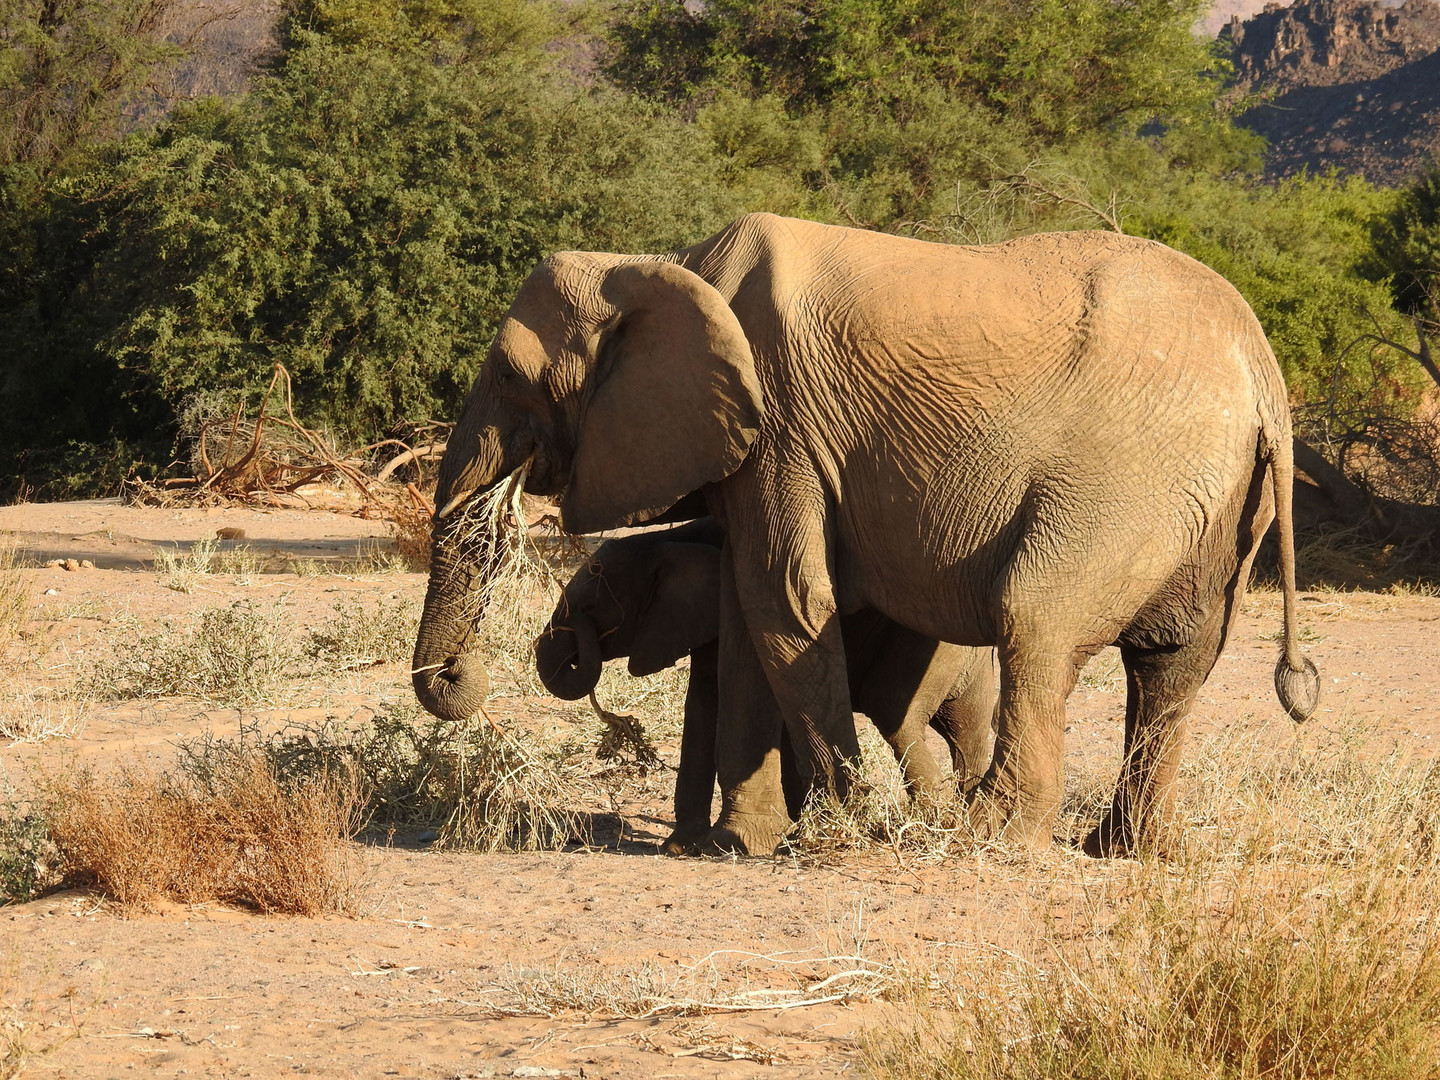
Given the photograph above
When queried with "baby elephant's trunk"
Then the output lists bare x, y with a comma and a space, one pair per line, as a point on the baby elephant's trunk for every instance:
567, 657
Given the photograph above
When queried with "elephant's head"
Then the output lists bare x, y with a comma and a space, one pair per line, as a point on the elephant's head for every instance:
622, 384
648, 597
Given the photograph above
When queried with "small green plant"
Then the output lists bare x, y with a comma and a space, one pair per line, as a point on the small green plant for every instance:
232, 655
29, 859
359, 635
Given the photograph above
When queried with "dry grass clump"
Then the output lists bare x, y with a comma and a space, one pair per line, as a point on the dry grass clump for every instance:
231, 655
181, 570
34, 1024
1250, 976
1290, 933
522, 572
14, 601
504, 796
34, 714
228, 831
645, 991
879, 815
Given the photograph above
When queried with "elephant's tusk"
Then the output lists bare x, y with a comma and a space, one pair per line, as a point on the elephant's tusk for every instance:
427, 667
455, 500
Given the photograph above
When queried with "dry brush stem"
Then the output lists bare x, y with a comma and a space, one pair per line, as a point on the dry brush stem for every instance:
645, 992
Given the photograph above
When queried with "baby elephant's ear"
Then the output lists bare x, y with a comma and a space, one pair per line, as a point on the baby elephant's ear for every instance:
675, 403
683, 610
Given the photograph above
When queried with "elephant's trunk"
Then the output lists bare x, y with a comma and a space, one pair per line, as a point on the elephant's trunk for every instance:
448, 683
567, 657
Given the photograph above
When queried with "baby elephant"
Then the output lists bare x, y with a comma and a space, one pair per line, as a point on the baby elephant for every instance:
655, 597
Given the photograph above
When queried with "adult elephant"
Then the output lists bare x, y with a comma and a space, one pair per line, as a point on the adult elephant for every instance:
655, 597
1048, 445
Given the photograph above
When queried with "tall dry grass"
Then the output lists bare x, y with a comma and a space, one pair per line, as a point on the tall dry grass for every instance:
14, 598
1290, 933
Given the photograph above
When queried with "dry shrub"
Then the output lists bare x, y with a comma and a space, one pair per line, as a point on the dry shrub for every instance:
230, 831
34, 714
480, 787
410, 516
359, 635
231, 655
1291, 933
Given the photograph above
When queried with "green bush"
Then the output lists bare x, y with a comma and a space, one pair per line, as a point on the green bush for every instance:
363, 218
29, 858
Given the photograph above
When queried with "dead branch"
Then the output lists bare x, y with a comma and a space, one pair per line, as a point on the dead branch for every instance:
1078, 197
430, 452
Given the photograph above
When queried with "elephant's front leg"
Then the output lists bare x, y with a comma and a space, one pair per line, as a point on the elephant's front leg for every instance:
783, 580
747, 743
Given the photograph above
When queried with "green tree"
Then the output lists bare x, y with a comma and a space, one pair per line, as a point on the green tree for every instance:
363, 218
68, 68
478, 28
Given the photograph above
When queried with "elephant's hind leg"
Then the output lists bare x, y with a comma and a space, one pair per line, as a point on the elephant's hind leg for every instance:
1162, 683
1169, 652
1020, 794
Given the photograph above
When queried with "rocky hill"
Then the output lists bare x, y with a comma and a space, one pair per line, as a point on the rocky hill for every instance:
1349, 83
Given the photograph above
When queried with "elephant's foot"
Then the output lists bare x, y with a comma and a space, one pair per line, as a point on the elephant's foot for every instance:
1011, 816
747, 833
687, 839
1119, 836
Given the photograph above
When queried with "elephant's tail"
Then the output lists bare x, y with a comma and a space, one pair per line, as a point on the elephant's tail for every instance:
1297, 681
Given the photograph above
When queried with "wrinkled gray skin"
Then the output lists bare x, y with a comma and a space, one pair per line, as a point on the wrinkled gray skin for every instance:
1049, 445
655, 597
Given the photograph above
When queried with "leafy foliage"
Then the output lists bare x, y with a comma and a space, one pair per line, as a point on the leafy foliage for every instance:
1407, 247
364, 214
363, 218
68, 70
1061, 68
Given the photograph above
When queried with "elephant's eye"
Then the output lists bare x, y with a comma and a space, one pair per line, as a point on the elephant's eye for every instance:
504, 374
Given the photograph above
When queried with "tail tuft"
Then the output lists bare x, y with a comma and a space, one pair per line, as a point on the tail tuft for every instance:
1299, 690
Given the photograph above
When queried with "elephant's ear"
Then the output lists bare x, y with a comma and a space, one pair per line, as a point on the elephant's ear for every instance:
675, 403
682, 611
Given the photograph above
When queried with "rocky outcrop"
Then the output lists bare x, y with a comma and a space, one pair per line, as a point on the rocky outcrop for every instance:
1330, 42
1352, 84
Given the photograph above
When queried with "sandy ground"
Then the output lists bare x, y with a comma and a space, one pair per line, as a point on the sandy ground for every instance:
418, 982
